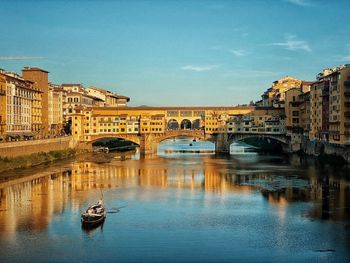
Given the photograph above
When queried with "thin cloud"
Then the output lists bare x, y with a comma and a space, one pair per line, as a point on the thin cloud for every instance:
345, 58
293, 44
299, 2
199, 68
4, 58
238, 52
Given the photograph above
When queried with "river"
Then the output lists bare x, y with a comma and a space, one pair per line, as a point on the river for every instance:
183, 205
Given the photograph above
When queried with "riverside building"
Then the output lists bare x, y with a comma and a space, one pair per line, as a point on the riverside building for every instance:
39, 78
57, 97
20, 107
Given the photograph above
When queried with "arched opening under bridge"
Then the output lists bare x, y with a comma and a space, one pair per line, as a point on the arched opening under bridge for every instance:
256, 144
185, 145
115, 144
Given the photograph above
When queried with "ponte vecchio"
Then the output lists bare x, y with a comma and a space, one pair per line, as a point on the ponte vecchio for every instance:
148, 126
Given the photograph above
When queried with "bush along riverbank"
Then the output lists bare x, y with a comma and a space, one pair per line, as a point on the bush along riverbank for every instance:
25, 161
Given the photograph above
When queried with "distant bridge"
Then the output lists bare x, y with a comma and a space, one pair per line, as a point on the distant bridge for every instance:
148, 126
149, 142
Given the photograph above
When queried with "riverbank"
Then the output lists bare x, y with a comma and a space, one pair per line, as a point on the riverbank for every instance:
327, 152
35, 159
20, 148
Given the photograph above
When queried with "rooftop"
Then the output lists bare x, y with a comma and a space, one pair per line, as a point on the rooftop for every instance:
34, 69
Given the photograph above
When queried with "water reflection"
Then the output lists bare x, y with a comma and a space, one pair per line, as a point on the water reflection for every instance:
31, 202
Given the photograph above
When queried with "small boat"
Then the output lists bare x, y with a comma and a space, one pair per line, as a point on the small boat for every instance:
94, 215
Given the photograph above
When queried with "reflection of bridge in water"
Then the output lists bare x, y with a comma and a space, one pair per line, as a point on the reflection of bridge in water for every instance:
33, 201
149, 126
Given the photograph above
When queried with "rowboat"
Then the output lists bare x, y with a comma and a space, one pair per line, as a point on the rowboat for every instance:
94, 215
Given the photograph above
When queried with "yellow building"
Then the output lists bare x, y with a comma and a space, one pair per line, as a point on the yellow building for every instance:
2, 104
152, 123
39, 77
305, 114
56, 99
275, 96
292, 109
108, 98
316, 111
37, 113
339, 110
17, 106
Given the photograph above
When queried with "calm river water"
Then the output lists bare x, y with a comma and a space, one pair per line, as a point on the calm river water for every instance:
180, 206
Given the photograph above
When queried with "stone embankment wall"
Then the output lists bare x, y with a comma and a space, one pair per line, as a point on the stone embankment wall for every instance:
318, 148
20, 148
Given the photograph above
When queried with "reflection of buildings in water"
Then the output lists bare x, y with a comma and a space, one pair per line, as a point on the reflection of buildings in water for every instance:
218, 182
332, 196
88, 175
31, 204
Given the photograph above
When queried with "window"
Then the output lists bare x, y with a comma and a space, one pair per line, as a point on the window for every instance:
295, 120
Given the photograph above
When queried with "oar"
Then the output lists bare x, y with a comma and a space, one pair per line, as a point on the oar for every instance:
115, 209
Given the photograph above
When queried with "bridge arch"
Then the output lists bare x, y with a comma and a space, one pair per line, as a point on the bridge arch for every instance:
186, 124
273, 137
173, 124
181, 133
131, 138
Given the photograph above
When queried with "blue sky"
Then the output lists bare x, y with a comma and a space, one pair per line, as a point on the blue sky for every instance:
176, 52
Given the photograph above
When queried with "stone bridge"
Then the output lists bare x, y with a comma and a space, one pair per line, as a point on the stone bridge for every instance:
148, 142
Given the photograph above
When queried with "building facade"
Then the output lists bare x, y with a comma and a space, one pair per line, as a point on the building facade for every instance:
39, 77
17, 104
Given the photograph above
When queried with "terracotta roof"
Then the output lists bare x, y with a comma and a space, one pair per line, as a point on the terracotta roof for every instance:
34, 69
